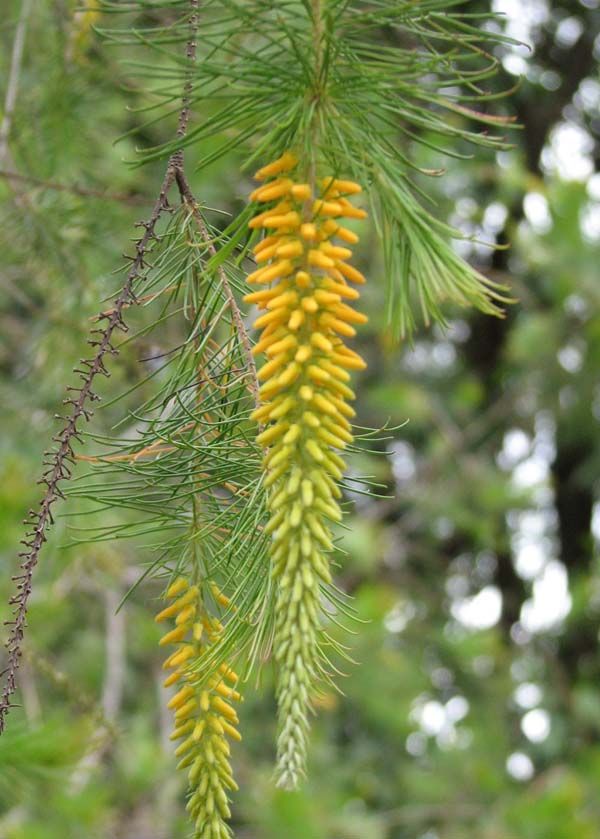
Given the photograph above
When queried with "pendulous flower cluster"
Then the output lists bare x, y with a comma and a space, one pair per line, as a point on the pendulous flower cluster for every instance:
204, 717
304, 395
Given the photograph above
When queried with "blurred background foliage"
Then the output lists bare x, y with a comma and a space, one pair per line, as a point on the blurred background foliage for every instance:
473, 711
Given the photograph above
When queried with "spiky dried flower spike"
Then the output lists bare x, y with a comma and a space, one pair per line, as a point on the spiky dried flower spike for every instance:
305, 397
204, 717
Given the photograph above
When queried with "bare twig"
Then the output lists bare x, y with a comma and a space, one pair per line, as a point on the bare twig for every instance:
58, 462
12, 88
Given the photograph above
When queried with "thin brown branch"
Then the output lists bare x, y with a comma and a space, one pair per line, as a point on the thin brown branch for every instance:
59, 461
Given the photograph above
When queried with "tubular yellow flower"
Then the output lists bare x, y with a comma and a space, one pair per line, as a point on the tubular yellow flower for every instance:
304, 409
204, 717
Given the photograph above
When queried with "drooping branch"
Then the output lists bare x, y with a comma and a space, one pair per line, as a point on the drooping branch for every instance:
58, 462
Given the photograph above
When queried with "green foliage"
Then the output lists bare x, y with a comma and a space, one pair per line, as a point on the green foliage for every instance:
308, 76
448, 528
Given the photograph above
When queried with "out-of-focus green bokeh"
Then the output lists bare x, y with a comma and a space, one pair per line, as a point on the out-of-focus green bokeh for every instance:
473, 708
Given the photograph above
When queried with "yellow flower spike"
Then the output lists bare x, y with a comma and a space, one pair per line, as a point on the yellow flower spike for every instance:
203, 719
305, 391
276, 457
